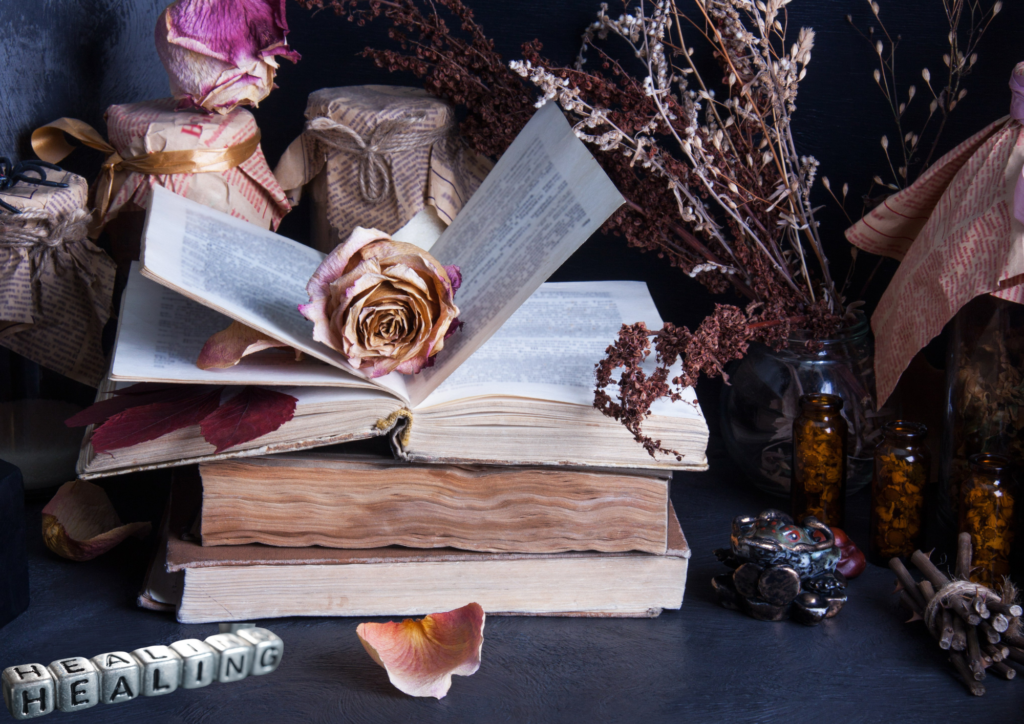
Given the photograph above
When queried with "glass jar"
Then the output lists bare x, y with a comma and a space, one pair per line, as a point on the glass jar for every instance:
760, 403
987, 513
819, 460
902, 467
985, 396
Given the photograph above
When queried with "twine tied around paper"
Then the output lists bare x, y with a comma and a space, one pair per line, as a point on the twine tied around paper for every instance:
948, 592
373, 151
47, 232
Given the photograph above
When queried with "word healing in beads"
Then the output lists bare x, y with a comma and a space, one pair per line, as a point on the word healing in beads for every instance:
32, 690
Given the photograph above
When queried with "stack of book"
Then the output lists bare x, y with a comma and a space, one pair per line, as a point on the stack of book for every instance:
501, 483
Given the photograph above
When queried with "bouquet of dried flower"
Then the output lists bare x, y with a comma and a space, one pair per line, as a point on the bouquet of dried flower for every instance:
714, 184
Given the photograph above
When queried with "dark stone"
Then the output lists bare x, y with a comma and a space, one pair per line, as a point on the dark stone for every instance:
13, 557
809, 608
764, 611
779, 585
745, 578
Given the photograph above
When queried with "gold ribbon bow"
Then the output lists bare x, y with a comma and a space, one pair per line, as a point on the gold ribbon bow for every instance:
50, 145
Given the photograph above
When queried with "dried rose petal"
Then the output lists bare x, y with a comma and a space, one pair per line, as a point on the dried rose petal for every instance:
384, 304
219, 54
80, 523
421, 655
228, 346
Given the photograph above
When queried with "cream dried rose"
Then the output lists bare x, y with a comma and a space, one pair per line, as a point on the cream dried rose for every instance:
384, 304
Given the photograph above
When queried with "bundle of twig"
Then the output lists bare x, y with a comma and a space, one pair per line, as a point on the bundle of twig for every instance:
981, 628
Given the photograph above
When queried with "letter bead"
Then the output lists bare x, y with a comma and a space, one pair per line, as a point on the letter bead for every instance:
199, 663
269, 649
161, 669
236, 656
28, 690
77, 682
120, 677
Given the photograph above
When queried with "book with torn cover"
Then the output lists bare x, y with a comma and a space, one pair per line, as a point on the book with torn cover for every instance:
245, 582
342, 500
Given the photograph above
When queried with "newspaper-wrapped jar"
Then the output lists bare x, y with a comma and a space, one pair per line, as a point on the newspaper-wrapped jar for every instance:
55, 285
375, 156
213, 159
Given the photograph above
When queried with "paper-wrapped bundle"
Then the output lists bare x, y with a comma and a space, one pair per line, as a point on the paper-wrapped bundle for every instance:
55, 285
958, 233
215, 160
375, 156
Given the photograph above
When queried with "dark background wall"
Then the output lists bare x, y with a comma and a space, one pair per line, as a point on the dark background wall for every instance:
76, 57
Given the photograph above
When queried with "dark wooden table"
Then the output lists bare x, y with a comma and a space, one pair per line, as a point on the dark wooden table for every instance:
701, 664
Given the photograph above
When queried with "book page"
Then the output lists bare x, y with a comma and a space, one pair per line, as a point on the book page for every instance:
160, 334
543, 199
247, 273
548, 349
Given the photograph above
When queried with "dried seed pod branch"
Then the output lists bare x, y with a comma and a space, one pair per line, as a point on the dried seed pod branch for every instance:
716, 187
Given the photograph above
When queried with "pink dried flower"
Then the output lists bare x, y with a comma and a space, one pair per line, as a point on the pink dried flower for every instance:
386, 305
220, 54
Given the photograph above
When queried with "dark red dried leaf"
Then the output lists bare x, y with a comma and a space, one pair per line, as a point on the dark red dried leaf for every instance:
148, 422
250, 414
100, 412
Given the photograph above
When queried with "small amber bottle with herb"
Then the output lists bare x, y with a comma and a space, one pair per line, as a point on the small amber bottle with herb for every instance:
987, 509
902, 467
819, 460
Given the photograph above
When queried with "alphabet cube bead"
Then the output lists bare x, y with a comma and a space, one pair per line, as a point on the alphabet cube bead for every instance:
199, 663
236, 656
77, 682
269, 649
28, 690
120, 677
161, 669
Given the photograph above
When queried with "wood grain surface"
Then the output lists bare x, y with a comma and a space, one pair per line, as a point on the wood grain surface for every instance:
701, 664
370, 504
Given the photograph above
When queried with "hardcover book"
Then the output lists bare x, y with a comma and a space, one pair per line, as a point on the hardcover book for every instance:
340, 500
245, 582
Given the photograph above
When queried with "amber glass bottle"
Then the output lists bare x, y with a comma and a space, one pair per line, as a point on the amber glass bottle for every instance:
987, 513
902, 467
819, 460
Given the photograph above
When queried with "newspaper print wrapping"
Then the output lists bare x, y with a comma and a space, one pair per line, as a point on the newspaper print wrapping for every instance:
957, 237
248, 191
376, 156
55, 285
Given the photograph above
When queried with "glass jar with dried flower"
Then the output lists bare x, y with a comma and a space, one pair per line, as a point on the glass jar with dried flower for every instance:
987, 503
761, 402
985, 404
898, 488
819, 460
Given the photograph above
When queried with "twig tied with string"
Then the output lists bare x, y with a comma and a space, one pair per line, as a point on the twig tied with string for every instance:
980, 628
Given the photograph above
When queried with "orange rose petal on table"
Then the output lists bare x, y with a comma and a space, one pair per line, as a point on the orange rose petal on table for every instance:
421, 655
227, 347
79, 523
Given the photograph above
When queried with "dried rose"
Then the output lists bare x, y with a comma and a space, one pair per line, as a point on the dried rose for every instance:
385, 305
79, 523
421, 655
220, 54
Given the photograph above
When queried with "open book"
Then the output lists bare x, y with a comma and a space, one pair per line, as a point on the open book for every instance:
514, 386
541, 201
525, 397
